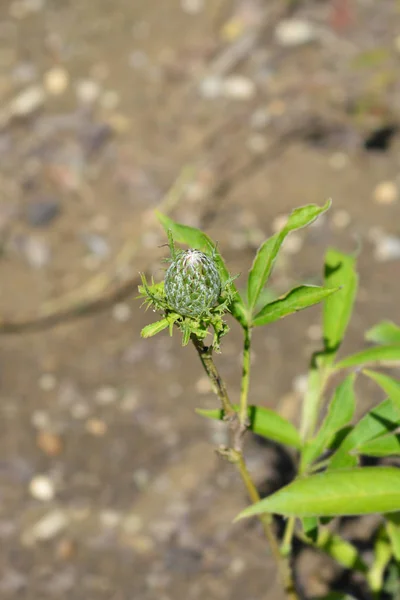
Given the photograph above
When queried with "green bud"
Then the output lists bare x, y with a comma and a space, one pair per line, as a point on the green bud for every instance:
192, 283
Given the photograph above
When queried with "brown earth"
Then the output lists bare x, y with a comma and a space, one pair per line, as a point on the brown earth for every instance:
110, 487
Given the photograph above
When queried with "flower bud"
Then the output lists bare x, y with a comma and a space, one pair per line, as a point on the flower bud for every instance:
192, 283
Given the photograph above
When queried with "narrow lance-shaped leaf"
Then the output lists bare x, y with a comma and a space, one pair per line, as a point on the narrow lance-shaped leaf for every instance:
386, 445
378, 355
268, 251
378, 421
264, 422
193, 237
340, 550
335, 493
340, 412
393, 531
155, 328
339, 272
385, 332
389, 385
383, 554
295, 300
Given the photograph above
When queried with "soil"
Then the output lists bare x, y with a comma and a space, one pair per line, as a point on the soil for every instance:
110, 486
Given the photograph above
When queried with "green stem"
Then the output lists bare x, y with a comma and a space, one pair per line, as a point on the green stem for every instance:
244, 392
286, 547
218, 384
235, 455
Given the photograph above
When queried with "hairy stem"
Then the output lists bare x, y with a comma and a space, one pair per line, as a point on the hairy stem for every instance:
243, 418
218, 384
235, 454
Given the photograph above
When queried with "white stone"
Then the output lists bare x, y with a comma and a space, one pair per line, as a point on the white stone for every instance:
87, 91
28, 101
47, 382
47, 527
211, 87
56, 81
387, 248
42, 488
294, 32
238, 87
121, 312
386, 192
106, 395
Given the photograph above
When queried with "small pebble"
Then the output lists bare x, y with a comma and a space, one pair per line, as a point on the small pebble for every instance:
260, 118
80, 410
47, 527
42, 488
87, 91
132, 524
56, 81
37, 252
42, 212
96, 427
141, 478
121, 312
386, 192
341, 219
211, 87
294, 32
97, 245
109, 518
292, 244
40, 419
27, 102
106, 395
279, 223
387, 248
49, 443
238, 87
47, 382
192, 7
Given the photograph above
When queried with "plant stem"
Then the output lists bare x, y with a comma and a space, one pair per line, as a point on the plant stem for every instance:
235, 454
243, 417
286, 548
218, 384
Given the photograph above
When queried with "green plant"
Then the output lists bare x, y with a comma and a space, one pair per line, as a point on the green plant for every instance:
328, 445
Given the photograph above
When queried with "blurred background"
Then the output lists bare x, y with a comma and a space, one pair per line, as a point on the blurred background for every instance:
226, 115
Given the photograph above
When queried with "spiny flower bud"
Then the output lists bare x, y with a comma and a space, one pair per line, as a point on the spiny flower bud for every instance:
192, 283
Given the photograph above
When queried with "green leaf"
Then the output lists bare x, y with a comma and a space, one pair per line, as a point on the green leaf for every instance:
340, 413
264, 422
383, 355
378, 421
295, 300
385, 332
193, 237
310, 528
339, 272
393, 531
154, 328
389, 385
383, 554
387, 445
268, 251
335, 493
342, 551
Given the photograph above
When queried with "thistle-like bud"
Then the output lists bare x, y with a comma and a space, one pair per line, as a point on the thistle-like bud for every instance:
192, 283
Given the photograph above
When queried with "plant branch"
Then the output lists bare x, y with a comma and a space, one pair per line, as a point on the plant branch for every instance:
244, 392
218, 384
235, 454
